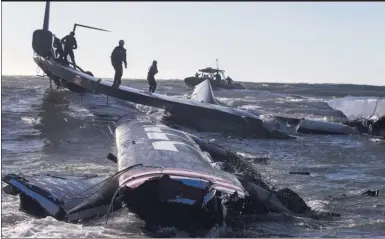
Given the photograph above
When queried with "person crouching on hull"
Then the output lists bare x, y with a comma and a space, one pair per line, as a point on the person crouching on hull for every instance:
118, 57
151, 76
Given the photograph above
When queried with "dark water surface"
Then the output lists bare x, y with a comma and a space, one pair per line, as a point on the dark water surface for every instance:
58, 131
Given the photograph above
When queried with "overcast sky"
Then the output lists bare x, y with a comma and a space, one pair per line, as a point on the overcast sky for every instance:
254, 41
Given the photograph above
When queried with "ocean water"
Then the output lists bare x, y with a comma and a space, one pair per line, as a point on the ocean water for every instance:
58, 131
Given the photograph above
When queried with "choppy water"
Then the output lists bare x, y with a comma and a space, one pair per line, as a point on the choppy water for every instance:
58, 131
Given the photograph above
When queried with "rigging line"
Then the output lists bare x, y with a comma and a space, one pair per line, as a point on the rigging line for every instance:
109, 178
105, 180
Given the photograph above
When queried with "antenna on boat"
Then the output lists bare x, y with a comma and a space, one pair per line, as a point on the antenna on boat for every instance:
46, 16
80, 25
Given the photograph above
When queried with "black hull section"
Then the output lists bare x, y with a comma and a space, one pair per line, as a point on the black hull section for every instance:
59, 81
65, 198
169, 180
166, 151
228, 119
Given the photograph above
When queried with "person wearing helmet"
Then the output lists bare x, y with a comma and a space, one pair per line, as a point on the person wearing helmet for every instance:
70, 44
118, 57
151, 76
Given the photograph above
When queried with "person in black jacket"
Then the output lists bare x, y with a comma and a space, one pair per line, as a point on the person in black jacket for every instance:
117, 57
59, 48
70, 44
151, 76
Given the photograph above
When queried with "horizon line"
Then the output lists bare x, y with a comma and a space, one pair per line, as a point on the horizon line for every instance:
247, 82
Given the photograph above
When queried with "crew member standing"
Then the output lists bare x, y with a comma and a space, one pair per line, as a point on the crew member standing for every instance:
118, 57
151, 76
217, 78
70, 44
59, 48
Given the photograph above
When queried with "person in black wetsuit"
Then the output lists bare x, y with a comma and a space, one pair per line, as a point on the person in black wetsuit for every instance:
59, 49
217, 79
151, 76
70, 44
229, 80
118, 57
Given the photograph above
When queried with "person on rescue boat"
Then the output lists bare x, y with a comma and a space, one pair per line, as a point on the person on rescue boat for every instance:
218, 78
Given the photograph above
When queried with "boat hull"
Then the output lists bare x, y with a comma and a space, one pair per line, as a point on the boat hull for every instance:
194, 81
170, 175
59, 81
226, 119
